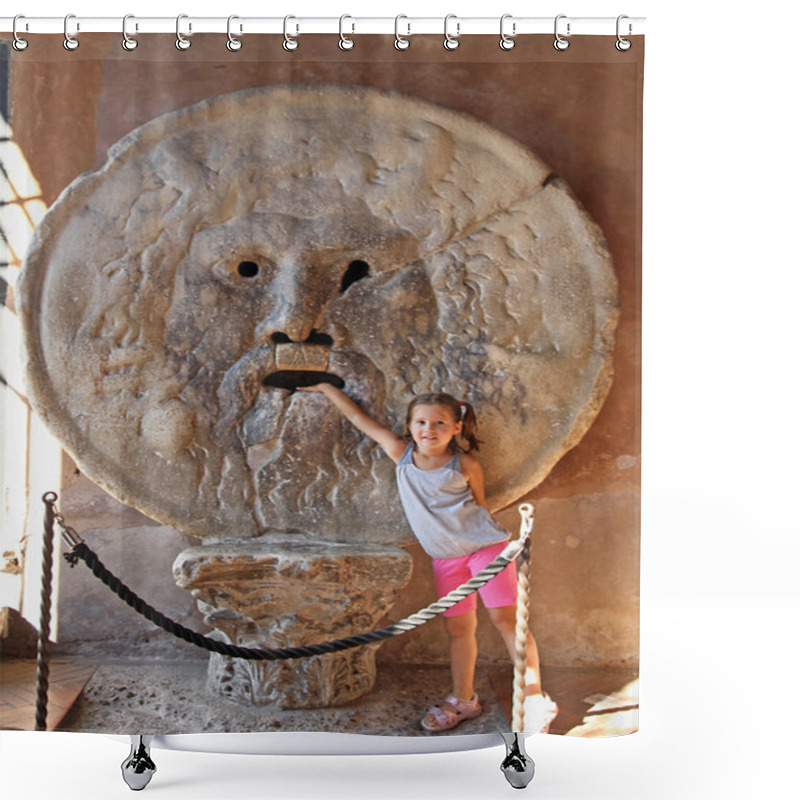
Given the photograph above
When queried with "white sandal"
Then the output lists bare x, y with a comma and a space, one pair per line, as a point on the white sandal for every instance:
450, 713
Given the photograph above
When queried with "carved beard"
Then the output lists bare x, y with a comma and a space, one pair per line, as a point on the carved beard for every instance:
303, 455
287, 455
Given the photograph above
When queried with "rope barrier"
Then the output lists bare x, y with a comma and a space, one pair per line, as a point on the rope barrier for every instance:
521, 639
81, 551
45, 611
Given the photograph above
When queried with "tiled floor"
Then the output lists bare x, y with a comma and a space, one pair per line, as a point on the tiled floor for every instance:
18, 691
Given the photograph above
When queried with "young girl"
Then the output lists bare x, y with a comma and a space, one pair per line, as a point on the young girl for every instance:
441, 488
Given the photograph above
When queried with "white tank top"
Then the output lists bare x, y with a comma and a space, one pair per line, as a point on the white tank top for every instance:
441, 510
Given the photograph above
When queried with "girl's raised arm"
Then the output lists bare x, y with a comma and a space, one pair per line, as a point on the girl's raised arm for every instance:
393, 444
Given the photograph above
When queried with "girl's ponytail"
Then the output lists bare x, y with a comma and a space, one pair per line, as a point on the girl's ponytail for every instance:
469, 431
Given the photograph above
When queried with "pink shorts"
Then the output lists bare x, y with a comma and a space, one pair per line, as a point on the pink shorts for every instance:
450, 573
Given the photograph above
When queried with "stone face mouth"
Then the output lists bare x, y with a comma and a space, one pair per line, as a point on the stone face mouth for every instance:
299, 365
293, 379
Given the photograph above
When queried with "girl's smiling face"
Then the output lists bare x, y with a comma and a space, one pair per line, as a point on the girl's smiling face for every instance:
432, 428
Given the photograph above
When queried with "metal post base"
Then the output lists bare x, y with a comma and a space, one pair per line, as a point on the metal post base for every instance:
138, 768
518, 766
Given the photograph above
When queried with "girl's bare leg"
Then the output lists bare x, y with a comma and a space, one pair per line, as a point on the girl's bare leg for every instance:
463, 642
505, 620
463, 653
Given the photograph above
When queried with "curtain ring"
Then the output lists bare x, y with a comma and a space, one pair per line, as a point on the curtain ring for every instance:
233, 44
128, 42
181, 42
623, 44
507, 42
18, 43
400, 42
70, 42
451, 42
289, 42
345, 42
560, 42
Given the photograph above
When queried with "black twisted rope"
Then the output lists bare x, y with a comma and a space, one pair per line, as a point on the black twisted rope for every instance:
43, 643
81, 551
84, 553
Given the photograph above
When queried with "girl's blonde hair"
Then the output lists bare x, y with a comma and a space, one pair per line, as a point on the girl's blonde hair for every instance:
462, 412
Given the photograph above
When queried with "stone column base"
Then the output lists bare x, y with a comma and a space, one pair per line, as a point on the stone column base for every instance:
290, 592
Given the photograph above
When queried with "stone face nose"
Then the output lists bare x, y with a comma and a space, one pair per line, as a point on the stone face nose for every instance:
292, 315
295, 302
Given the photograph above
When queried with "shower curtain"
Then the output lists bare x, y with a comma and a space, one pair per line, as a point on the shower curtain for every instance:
193, 236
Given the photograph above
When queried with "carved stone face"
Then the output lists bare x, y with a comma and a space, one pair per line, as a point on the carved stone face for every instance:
232, 251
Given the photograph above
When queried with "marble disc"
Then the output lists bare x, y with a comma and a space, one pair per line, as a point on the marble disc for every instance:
230, 251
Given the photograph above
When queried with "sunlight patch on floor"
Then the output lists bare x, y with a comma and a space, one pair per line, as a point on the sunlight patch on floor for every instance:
616, 714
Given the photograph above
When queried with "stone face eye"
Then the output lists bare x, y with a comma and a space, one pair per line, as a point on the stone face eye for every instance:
355, 272
247, 269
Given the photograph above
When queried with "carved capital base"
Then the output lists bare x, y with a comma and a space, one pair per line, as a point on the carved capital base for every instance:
270, 593
318, 682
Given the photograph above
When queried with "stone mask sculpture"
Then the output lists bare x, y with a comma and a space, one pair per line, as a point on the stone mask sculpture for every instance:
230, 251
393, 244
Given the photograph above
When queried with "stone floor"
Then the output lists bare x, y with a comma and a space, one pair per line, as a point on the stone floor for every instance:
124, 697
170, 697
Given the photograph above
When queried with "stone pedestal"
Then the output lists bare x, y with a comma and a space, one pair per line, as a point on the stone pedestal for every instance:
291, 592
